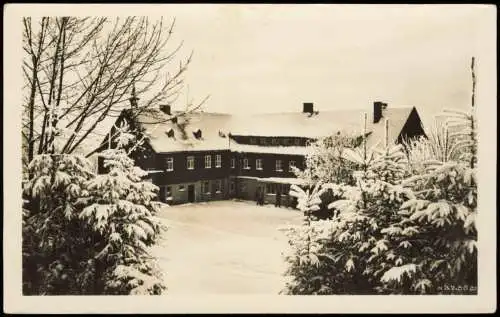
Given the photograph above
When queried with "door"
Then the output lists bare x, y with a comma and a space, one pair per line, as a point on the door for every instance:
191, 193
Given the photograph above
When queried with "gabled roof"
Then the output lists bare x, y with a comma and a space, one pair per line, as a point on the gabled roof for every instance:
216, 127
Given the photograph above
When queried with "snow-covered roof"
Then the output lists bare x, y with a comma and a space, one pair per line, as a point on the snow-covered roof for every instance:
157, 124
293, 124
324, 123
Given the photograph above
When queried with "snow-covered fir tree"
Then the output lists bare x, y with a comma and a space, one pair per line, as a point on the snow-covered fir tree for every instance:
90, 234
407, 225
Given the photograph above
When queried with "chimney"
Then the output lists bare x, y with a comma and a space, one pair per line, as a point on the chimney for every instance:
166, 109
133, 99
174, 120
378, 108
308, 107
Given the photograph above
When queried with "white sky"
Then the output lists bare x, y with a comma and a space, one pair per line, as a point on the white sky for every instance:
271, 58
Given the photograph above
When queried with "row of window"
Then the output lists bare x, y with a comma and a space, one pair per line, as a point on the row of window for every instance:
190, 162
284, 141
283, 189
218, 163
259, 165
219, 188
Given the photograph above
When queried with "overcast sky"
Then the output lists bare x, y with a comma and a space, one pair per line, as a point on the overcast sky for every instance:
269, 58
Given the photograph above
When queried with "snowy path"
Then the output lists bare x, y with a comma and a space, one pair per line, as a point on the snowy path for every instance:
224, 247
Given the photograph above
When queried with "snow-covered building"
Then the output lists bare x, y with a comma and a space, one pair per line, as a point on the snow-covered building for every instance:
200, 156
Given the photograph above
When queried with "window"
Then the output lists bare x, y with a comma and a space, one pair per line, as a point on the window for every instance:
263, 141
206, 187
218, 186
258, 164
232, 186
170, 164
245, 164
190, 162
297, 141
285, 189
286, 141
279, 166
168, 193
218, 160
290, 165
233, 163
271, 189
253, 140
275, 141
182, 188
208, 161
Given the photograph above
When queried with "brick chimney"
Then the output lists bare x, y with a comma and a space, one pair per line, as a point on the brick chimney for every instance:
166, 109
378, 109
308, 107
133, 99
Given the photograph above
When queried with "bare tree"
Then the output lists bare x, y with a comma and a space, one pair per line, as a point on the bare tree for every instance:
80, 71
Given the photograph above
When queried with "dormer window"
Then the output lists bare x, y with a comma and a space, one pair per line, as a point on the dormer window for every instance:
170, 132
197, 133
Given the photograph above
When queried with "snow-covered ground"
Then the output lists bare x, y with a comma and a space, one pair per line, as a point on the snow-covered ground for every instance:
224, 247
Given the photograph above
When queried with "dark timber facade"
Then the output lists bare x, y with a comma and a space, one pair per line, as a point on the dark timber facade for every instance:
207, 156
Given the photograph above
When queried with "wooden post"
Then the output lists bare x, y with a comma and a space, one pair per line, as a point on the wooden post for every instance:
473, 127
386, 133
364, 134
109, 139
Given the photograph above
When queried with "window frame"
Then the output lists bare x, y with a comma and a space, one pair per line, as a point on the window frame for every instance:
280, 165
190, 162
271, 189
208, 159
233, 162
218, 161
205, 187
258, 164
168, 193
170, 161
246, 165
290, 165
218, 186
